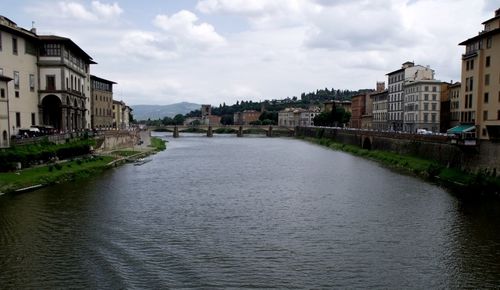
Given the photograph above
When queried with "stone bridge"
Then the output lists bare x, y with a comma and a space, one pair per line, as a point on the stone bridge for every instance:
239, 129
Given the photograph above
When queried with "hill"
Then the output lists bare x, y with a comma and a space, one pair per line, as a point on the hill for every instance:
154, 112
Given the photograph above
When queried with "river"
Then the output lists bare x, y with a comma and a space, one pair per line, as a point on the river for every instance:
228, 212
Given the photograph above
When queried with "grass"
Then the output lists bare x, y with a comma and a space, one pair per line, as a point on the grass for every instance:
53, 173
158, 144
124, 153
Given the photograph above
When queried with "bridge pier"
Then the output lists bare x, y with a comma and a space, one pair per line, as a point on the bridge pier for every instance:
176, 132
269, 132
240, 132
210, 133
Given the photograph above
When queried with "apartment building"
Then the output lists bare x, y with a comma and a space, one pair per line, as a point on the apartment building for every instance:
422, 105
380, 110
454, 95
480, 91
102, 103
18, 61
409, 72
292, 117
246, 117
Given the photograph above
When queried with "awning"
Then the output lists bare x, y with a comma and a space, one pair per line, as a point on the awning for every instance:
461, 129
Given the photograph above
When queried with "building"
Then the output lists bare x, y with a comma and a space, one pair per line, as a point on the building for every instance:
358, 107
329, 105
480, 91
444, 114
422, 105
18, 61
409, 72
118, 107
64, 78
380, 111
246, 117
51, 80
454, 95
292, 117
101, 105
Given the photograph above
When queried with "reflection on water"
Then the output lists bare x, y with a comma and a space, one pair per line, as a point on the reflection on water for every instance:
248, 212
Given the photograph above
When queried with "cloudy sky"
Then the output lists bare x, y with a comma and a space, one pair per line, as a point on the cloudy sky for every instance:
214, 51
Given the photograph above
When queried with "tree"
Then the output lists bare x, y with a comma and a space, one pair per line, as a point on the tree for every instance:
227, 120
179, 119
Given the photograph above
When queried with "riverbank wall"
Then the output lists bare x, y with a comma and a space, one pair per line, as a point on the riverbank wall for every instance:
485, 157
114, 140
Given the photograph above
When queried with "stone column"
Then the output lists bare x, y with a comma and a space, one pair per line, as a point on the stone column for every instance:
210, 132
240, 132
176, 132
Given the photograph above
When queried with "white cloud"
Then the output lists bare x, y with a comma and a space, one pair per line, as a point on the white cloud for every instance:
106, 10
146, 45
97, 12
182, 27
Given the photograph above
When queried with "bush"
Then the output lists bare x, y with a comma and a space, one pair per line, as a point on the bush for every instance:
58, 166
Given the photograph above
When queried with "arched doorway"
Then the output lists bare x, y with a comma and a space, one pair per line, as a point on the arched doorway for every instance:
367, 144
52, 111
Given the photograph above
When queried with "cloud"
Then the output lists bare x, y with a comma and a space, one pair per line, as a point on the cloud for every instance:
182, 27
97, 12
145, 45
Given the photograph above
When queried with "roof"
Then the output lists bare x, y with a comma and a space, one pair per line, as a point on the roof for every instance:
93, 77
396, 71
70, 43
461, 129
480, 36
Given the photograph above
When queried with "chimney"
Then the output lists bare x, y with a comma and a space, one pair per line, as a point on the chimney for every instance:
33, 29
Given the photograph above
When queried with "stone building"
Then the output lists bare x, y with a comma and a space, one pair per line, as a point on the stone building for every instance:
246, 117
422, 105
480, 91
101, 105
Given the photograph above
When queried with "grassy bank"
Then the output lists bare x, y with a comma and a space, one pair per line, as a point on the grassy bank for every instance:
158, 144
463, 182
53, 173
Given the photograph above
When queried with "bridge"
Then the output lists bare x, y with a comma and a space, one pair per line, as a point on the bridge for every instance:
238, 129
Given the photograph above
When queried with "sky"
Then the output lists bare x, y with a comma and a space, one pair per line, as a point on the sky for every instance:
221, 51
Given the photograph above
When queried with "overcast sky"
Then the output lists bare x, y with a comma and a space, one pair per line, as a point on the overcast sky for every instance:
214, 51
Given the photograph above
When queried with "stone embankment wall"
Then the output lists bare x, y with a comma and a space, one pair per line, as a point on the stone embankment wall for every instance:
486, 156
113, 140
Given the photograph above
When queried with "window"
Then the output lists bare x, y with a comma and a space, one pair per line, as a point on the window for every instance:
434, 105
18, 119
433, 118
51, 49
33, 116
488, 61
471, 64
426, 106
0, 41
16, 94
426, 117
434, 88
484, 131
426, 97
32, 82
486, 98
14, 45
488, 42
16, 79
434, 96
4, 136
2, 93
51, 83
487, 80
485, 115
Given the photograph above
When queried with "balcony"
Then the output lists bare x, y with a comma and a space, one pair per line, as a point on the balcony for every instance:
470, 54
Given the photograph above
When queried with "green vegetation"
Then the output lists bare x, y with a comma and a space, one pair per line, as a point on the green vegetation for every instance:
43, 152
158, 144
482, 182
333, 118
225, 131
53, 173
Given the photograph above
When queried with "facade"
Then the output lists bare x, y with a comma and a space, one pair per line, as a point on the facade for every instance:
51, 81
358, 107
118, 114
454, 95
422, 105
409, 72
18, 61
64, 78
292, 117
101, 106
480, 91
380, 111
246, 117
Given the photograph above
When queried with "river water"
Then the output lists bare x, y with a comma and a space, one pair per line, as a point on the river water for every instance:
229, 212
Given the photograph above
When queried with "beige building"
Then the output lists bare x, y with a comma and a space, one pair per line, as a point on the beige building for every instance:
292, 117
480, 91
18, 61
422, 105
379, 100
102, 103
121, 115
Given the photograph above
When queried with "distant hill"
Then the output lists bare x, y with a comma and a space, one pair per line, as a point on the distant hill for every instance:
154, 112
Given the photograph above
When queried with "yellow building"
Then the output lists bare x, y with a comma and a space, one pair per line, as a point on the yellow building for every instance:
101, 103
480, 91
